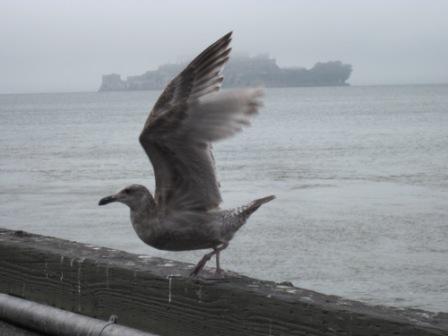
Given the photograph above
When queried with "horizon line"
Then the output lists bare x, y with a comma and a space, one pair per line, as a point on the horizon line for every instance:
288, 87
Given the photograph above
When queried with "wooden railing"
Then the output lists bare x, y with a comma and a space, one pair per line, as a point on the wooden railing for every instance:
156, 295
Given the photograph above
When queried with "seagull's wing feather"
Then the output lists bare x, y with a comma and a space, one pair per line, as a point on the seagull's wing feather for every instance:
201, 76
185, 120
220, 115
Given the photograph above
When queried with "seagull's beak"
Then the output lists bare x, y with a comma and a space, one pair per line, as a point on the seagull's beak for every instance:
108, 199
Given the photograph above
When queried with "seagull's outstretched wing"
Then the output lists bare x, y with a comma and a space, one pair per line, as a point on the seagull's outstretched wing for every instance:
186, 118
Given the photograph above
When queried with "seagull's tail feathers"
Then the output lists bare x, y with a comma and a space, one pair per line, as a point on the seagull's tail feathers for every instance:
254, 205
235, 218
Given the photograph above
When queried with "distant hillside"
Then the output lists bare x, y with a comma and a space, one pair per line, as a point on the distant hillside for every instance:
240, 71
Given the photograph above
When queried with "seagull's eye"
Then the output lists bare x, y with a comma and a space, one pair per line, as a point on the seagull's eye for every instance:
127, 191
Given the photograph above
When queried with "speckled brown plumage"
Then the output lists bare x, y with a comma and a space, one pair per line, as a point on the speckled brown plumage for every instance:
187, 118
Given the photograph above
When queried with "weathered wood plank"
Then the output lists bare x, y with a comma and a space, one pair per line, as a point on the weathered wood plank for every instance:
156, 295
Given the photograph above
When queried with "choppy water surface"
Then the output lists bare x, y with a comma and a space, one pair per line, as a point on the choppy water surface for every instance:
361, 176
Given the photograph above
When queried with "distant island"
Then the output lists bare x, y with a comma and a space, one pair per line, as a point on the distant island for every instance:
240, 71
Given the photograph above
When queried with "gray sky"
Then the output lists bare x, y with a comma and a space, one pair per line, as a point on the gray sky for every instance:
52, 46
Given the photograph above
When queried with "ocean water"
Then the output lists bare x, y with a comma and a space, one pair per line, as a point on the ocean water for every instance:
360, 174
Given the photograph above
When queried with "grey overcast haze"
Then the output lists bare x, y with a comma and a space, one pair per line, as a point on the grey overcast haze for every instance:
58, 46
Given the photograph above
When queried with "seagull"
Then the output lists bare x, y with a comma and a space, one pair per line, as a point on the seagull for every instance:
190, 115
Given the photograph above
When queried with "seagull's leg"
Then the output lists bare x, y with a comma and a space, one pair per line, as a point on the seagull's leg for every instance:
218, 268
217, 250
200, 265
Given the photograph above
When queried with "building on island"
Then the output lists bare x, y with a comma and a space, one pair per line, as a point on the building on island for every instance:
240, 71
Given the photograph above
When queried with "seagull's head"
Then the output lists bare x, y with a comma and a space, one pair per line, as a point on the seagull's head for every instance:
134, 196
